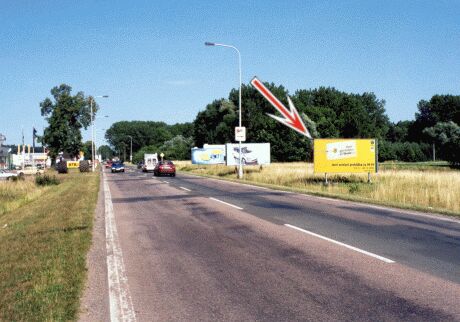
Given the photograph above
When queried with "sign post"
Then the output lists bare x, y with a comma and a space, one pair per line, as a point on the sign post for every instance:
162, 155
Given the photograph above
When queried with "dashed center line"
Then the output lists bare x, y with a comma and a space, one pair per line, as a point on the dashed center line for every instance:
384, 259
226, 203
183, 188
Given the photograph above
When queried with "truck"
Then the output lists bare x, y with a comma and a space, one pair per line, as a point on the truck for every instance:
150, 160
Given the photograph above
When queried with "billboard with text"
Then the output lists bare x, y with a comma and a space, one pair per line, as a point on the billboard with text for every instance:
345, 155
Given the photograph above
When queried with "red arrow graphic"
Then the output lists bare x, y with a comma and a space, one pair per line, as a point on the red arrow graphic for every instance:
291, 116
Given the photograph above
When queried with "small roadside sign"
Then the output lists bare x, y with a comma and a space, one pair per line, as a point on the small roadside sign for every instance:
240, 133
162, 155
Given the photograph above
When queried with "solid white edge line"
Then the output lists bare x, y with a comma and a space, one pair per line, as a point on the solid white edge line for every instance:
384, 259
226, 203
121, 305
186, 189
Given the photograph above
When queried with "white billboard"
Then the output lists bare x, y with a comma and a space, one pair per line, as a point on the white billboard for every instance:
251, 153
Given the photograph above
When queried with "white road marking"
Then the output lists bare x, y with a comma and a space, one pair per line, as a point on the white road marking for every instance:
183, 188
384, 259
166, 181
226, 203
121, 305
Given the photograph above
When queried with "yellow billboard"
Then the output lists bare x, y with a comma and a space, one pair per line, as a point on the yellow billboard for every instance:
72, 164
345, 155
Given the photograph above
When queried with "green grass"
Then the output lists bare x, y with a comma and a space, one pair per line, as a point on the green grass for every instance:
420, 166
43, 246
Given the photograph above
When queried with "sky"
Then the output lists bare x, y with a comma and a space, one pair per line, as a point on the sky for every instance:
150, 58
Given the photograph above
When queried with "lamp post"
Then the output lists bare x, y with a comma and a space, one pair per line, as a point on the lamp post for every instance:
131, 150
240, 168
91, 100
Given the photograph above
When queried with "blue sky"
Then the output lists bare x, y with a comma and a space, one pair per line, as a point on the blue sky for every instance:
149, 56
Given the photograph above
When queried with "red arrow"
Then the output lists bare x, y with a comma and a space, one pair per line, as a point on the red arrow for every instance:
291, 116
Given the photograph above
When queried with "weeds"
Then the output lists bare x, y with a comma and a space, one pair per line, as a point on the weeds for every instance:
46, 180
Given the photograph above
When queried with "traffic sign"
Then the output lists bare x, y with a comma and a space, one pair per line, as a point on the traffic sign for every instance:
240, 133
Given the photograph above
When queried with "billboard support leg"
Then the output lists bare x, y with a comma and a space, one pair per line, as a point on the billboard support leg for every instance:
368, 177
325, 179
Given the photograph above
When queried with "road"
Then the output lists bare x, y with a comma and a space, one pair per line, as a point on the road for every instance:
198, 249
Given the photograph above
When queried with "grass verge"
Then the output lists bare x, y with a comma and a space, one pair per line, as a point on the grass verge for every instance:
417, 188
43, 246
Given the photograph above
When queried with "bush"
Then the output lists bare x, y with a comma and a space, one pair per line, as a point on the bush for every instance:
404, 151
61, 167
46, 180
17, 178
84, 166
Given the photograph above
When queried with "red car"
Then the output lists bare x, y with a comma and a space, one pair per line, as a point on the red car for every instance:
108, 164
165, 167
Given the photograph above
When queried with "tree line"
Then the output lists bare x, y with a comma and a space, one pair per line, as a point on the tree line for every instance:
326, 111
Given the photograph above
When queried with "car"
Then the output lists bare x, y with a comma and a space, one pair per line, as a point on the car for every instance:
30, 170
247, 156
140, 165
118, 167
7, 175
164, 167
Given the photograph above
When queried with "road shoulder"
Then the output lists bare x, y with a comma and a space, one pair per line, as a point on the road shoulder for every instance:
95, 300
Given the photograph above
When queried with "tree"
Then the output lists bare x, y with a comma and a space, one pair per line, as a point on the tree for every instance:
446, 135
106, 152
399, 132
87, 148
145, 133
178, 148
339, 114
66, 116
440, 108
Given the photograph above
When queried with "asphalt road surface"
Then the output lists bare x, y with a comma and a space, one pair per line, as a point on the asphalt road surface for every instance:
197, 249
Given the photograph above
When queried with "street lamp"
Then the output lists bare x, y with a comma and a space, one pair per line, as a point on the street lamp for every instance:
131, 151
91, 100
240, 168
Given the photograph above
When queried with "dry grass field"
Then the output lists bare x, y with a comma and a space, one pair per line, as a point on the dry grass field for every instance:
428, 188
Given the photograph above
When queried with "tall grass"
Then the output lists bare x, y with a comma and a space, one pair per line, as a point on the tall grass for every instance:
14, 194
428, 188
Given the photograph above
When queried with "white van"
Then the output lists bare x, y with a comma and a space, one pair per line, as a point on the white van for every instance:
150, 161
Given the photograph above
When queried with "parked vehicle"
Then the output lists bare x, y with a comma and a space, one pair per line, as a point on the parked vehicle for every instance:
150, 161
140, 165
165, 167
118, 167
29, 170
6, 175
